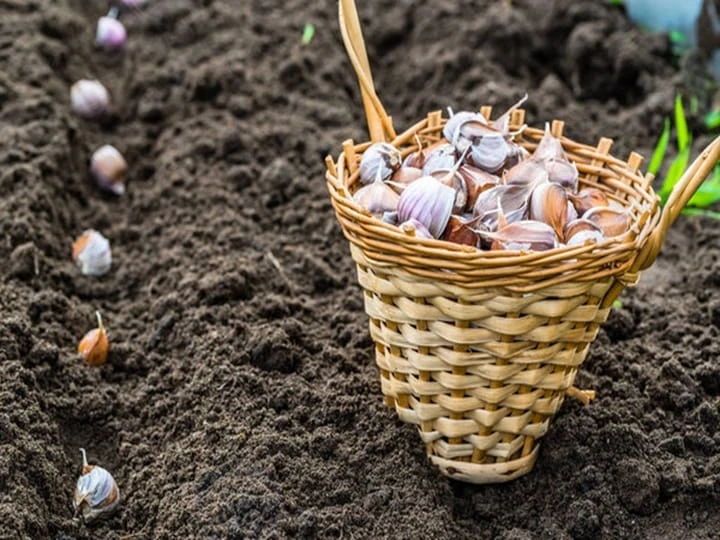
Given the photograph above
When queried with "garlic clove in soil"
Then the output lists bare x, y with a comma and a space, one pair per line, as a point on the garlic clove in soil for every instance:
94, 346
110, 34
429, 202
89, 98
91, 253
96, 492
379, 159
109, 169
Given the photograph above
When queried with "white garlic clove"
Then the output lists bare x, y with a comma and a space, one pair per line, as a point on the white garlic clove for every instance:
377, 198
502, 123
110, 34
527, 172
429, 202
109, 169
549, 147
91, 253
379, 159
523, 235
489, 152
441, 157
96, 492
572, 214
89, 99
563, 172
452, 127
456, 182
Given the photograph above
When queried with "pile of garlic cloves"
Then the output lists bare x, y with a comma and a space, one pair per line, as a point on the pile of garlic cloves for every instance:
477, 187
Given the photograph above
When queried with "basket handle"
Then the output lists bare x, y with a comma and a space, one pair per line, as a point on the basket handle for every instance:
379, 123
681, 194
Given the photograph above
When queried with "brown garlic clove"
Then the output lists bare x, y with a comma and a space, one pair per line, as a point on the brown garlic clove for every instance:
94, 345
549, 204
460, 232
109, 169
612, 222
476, 181
528, 172
522, 236
379, 159
579, 231
588, 198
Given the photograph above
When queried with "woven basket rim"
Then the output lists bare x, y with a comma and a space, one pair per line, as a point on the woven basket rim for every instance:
387, 243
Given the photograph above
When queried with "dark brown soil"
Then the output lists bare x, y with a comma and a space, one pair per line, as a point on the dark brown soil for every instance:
241, 399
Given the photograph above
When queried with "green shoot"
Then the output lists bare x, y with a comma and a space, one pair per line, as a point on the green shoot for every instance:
308, 33
674, 173
616, 2
660, 149
681, 128
708, 193
617, 304
701, 212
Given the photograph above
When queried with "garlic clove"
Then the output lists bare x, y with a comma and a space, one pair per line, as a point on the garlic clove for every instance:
452, 127
93, 347
563, 172
502, 123
588, 198
489, 152
379, 158
572, 214
523, 235
549, 204
413, 227
476, 182
109, 169
377, 198
460, 232
429, 202
526, 172
516, 154
110, 34
513, 199
405, 175
583, 237
96, 492
549, 147
455, 181
577, 226
91, 253
89, 99
441, 157
390, 218
612, 222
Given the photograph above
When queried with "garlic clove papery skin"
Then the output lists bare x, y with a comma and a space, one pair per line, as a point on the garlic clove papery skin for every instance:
451, 128
526, 172
549, 204
377, 198
588, 198
89, 99
91, 253
415, 228
109, 169
524, 235
489, 152
96, 492
612, 222
429, 202
440, 158
583, 237
380, 159
563, 172
110, 34
549, 147
456, 182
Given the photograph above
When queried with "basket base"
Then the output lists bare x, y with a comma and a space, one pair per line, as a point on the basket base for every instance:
486, 473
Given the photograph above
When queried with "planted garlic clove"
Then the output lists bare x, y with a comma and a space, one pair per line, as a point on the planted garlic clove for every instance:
96, 492
527, 173
89, 99
522, 236
441, 157
612, 222
111, 33
460, 232
549, 204
109, 169
377, 198
94, 345
588, 198
413, 227
577, 226
91, 253
429, 202
379, 159
563, 172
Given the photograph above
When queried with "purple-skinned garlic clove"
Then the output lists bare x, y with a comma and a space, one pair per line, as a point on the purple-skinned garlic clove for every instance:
429, 202
89, 98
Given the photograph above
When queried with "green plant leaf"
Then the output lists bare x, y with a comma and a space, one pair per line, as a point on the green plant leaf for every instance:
683, 133
660, 149
712, 119
308, 33
617, 304
701, 212
708, 193
675, 172
617, 2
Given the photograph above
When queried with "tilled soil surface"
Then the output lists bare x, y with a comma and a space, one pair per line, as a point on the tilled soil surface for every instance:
241, 398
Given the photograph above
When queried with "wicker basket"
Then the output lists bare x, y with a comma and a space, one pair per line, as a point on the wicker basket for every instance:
478, 349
